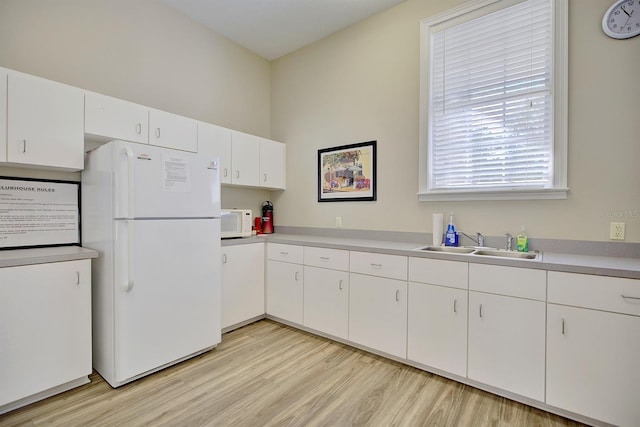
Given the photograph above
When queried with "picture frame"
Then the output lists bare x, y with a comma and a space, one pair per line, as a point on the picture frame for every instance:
347, 173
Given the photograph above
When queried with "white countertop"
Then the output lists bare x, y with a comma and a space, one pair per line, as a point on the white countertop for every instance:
16, 257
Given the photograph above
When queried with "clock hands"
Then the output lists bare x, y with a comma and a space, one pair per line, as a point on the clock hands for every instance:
625, 11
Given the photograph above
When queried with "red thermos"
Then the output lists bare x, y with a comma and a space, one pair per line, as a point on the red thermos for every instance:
267, 217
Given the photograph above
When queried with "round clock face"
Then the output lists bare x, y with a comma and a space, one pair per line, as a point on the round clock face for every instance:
622, 20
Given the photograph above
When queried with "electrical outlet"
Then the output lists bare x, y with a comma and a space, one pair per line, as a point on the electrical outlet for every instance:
616, 231
338, 222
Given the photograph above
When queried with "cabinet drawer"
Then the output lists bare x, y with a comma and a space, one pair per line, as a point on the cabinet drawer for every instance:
510, 281
286, 253
437, 272
334, 259
391, 266
598, 292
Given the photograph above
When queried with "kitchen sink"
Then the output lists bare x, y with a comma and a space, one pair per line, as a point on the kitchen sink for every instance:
449, 249
480, 251
507, 254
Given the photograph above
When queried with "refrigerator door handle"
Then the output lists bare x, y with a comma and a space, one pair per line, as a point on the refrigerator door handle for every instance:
130, 247
126, 151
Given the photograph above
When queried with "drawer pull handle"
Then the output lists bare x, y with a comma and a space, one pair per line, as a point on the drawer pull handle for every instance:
158, 133
340, 284
237, 174
455, 309
77, 277
139, 128
24, 145
324, 258
284, 253
628, 297
224, 258
376, 265
397, 294
225, 173
265, 177
480, 310
562, 326
296, 276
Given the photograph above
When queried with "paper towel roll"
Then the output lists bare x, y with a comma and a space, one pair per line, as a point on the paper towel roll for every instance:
438, 229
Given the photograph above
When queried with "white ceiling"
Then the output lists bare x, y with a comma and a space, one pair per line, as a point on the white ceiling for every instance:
272, 28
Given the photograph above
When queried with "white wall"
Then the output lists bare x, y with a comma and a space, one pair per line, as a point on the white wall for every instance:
141, 51
362, 84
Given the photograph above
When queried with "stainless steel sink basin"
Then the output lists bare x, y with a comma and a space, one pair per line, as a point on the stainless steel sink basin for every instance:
507, 254
481, 251
449, 249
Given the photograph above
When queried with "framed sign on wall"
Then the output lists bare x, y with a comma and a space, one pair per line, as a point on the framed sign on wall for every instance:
38, 213
347, 173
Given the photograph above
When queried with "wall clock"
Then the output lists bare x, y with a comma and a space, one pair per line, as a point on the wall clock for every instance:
622, 19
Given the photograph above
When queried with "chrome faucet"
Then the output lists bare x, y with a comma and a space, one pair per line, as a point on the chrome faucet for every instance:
509, 241
479, 240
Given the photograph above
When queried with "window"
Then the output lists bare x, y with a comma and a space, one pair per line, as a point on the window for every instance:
493, 113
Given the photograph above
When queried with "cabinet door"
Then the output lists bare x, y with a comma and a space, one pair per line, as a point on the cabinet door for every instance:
437, 327
592, 363
112, 118
242, 283
173, 131
507, 343
216, 140
45, 327
45, 123
285, 291
378, 313
326, 301
245, 159
3, 116
272, 164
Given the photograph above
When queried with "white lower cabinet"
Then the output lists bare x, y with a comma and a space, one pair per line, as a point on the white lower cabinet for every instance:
285, 282
437, 327
378, 313
326, 291
326, 301
506, 343
507, 332
45, 327
592, 354
437, 314
242, 283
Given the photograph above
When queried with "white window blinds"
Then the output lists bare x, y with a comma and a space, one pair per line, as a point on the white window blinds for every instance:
491, 101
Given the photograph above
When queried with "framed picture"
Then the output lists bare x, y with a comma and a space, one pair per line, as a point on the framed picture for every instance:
347, 173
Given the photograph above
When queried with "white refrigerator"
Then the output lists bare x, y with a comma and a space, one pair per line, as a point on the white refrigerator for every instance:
153, 214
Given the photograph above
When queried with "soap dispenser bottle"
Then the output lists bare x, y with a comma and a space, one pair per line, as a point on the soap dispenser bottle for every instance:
451, 236
522, 241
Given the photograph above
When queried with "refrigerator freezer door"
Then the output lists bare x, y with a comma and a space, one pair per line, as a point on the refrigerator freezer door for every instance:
155, 182
167, 292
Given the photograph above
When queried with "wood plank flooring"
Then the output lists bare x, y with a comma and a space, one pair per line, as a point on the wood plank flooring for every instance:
268, 374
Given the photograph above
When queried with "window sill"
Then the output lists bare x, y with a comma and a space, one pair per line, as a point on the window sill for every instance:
462, 195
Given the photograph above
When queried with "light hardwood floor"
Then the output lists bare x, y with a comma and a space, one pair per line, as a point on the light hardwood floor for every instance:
268, 374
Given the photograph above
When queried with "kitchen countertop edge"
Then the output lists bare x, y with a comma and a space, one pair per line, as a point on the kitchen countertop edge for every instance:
582, 264
31, 256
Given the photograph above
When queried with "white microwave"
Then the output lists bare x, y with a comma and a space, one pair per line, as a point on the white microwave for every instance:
235, 223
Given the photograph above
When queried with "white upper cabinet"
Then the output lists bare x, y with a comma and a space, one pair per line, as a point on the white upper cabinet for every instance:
111, 118
216, 140
3, 116
45, 123
172, 131
272, 164
245, 159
